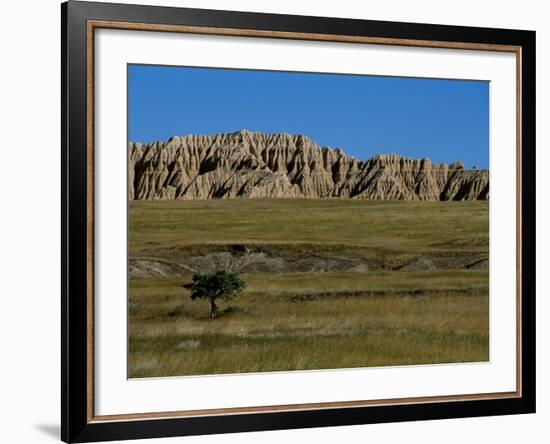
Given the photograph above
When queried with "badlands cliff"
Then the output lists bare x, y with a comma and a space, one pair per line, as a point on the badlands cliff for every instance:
254, 165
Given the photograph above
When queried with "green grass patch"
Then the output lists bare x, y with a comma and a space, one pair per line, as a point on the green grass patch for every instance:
312, 320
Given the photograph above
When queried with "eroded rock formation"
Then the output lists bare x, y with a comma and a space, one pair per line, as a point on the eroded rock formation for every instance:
253, 165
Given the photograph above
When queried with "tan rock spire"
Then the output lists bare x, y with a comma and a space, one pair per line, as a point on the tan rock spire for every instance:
254, 164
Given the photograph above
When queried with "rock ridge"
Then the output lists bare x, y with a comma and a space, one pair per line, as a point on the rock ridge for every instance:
246, 164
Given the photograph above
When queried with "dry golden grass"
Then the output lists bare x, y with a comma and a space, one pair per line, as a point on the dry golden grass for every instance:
268, 331
323, 320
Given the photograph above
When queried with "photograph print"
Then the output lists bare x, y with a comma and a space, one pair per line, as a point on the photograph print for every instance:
292, 221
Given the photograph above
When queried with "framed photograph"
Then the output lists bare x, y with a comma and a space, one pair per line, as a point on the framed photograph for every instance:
275, 221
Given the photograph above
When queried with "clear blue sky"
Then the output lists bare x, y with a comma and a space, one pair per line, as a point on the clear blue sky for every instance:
444, 120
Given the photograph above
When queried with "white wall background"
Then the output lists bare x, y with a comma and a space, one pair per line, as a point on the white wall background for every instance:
30, 221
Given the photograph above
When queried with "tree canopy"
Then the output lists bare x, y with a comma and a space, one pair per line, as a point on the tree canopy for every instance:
213, 286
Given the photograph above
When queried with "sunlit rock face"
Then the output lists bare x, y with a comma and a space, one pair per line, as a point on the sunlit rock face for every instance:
248, 164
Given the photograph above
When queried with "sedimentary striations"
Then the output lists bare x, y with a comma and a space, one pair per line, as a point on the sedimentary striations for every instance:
253, 165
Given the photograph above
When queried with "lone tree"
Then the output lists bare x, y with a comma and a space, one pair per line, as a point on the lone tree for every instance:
213, 286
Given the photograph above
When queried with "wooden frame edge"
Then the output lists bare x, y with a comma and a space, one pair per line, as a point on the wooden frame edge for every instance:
235, 32
91, 25
90, 208
519, 219
302, 407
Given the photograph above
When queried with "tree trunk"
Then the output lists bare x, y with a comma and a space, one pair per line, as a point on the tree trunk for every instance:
213, 310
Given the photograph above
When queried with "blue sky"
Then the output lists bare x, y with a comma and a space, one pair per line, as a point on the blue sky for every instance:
444, 120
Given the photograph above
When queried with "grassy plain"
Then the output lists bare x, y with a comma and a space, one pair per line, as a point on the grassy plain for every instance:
401, 226
387, 314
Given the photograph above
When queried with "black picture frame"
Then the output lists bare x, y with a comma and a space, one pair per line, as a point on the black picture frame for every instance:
76, 423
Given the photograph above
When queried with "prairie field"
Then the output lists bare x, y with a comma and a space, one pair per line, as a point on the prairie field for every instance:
328, 284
